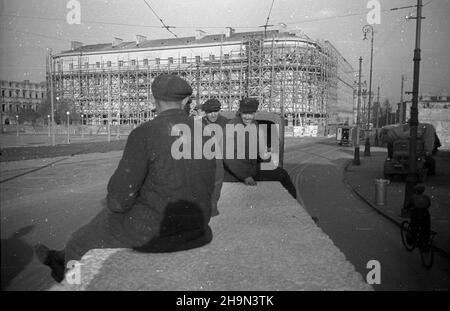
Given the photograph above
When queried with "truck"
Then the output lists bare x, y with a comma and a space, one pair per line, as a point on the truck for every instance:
397, 140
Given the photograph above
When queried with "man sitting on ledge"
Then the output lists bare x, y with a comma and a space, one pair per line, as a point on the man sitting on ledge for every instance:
155, 203
248, 169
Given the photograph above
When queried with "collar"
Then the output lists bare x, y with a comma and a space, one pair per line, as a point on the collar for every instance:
172, 112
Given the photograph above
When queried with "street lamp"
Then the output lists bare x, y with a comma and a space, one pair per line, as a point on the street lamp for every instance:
365, 30
17, 123
68, 127
48, 124
82, 133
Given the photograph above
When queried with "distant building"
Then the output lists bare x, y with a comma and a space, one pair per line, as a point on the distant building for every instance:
287, 71
20, 95
434, 110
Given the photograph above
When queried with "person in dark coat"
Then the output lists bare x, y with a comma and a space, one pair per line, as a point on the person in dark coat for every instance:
212, 116
156, 202
247, 169
419, 205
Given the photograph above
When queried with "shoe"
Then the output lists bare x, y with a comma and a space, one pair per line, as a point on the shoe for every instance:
52, 258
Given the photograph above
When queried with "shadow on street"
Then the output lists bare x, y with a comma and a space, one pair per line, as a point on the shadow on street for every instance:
16, 255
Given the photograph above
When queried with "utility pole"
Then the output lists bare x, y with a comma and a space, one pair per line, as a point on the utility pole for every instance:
52, 107
366, 29
377, 119
379, 106
412, 178
109, 110
356, 159
388, 111
402, 107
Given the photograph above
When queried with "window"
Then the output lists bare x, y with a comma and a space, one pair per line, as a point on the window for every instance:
226, 56
170, 60
157, 61
133, 62
86, 65
211, 57
97, 65
120, 63
71, 66
145, 62
3, 93
197, 59
23, 94
108, 63
3, 107
183, 60
10, 108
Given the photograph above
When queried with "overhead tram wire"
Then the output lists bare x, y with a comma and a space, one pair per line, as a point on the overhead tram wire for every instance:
200, 26
165, 26
267, 20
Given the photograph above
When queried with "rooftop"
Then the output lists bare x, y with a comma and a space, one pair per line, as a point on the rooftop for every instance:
188, 41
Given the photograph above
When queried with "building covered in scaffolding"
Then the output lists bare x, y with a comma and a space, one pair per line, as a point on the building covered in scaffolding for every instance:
310, 81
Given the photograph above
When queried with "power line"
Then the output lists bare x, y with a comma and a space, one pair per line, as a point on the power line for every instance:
84, 21
268, 17
121, 24
194, 27
165, 26
162, 22
36, 34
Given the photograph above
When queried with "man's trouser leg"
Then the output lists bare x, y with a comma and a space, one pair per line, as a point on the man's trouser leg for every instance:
96, 234
278, 174
217, 187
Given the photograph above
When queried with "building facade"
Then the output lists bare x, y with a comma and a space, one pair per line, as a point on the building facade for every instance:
16, 96
308, 80
436, 111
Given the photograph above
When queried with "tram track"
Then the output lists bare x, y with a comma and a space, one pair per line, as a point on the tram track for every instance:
51, 164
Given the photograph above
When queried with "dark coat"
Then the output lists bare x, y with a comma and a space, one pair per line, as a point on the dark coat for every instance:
154, 195
246, 167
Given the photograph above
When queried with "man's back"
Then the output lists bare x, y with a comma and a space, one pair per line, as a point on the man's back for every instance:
420, 201
168, 188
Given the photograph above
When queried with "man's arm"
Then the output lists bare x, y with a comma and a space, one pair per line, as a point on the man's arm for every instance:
241, 168
125, 183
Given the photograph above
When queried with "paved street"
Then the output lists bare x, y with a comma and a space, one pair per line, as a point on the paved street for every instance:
359, 231
316, 166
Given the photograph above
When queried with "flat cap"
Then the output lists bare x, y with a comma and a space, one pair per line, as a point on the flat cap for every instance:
248, 105
170, 87
211, 105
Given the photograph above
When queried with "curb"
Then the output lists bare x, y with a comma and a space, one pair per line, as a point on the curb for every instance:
379, 211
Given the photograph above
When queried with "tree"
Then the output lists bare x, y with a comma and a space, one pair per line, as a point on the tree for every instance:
60, 107
28, 115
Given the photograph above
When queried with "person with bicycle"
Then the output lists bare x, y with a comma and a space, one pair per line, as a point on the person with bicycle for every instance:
418, 205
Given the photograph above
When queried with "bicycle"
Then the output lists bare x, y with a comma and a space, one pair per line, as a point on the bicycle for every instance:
411, 240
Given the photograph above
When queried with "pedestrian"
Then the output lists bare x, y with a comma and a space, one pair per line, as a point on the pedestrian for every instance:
418, 205
212, 116
247, 169
187, 107
154, 202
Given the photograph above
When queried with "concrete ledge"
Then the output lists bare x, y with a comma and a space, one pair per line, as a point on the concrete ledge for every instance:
263, 240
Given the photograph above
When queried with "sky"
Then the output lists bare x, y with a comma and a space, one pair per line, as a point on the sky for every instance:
29, 27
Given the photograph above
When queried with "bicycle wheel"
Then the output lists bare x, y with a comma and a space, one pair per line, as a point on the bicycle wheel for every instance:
427, 254
408, 238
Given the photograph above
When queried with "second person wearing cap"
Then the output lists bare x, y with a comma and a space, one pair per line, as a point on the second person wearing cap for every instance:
212, 116
248, 170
